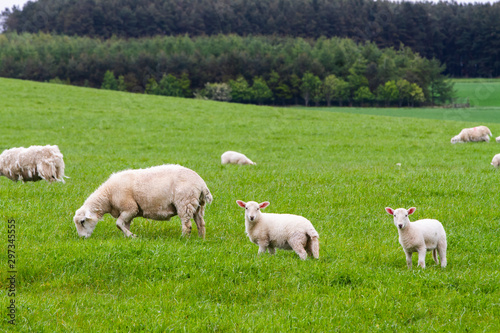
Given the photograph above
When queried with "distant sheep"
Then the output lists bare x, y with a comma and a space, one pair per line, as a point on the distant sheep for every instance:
232, 157
497, 139
419, 236
283, 231
496, 160
33, 164
474, 134
156, 193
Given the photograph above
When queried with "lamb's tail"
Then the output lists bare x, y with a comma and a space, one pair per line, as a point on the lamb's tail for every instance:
313, 243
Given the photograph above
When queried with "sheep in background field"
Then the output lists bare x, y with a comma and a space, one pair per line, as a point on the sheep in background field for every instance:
474, 134
283, 231
496, 160
32, 164
497, 139
232, 157
156, 193
419, 236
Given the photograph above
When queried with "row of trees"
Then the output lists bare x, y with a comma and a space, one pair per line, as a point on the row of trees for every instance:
310, 87
182, 66
464, 37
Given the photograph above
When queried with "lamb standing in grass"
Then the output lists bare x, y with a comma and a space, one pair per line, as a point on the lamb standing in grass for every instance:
232, 157
283, 231
474, 134
33, 164
157, 193
419, 236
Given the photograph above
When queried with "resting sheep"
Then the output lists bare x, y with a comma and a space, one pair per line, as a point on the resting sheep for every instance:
33, 164
496, 160
232, 157
474, 134
156, 193
283, 231
419, 236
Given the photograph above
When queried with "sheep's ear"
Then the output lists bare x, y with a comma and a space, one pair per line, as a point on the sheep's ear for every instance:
264, 204
389, 210
87, 215
411, 210
241, 203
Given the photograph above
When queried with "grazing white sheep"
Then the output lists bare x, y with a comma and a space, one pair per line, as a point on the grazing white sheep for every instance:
474, 134
497, 139
232, 157
283, 231
32, 164
156, 193
419, 236
496, 160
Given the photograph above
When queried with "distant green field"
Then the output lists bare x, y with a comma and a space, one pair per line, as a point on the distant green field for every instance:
480, 92
338, 169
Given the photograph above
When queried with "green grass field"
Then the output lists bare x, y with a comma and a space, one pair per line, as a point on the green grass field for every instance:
338, 169
480, 92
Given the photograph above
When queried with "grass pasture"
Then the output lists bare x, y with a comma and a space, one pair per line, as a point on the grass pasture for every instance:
480, 92
338, 169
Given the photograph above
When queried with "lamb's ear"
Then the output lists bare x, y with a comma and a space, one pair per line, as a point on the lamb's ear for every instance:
411, 210
389, 210
87, 215
241, 203
264, 204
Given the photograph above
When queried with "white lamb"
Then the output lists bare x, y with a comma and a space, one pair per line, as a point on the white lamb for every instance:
496, 160
232, 157
32, 164
157, 193
497, 139
283, 231
474, 134
419, 236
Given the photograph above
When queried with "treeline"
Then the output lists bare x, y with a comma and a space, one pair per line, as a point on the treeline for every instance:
464, 37
288, 70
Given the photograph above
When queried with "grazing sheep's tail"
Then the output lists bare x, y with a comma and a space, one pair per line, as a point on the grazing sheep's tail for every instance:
206, 196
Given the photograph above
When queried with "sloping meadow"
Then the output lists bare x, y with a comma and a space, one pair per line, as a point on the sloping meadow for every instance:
339, 170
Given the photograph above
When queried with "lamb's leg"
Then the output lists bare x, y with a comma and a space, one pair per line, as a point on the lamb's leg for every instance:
200, 222
421, 256
272, 250
123, 223
297, 243
408, 259
434, 255
263, 246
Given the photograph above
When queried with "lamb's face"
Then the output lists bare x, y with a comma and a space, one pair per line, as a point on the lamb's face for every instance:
252, 209
85, 222
455, 139
401, 219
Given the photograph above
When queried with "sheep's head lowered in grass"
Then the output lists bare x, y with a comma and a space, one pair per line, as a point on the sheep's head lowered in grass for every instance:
85, 222
401, 219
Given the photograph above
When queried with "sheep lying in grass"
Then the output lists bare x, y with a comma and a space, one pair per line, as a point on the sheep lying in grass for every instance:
419, 236
156, 193
496, 160
283, 231
232, 157
474, 134
33, 164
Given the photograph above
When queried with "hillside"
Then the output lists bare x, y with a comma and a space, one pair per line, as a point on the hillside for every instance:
337, 169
